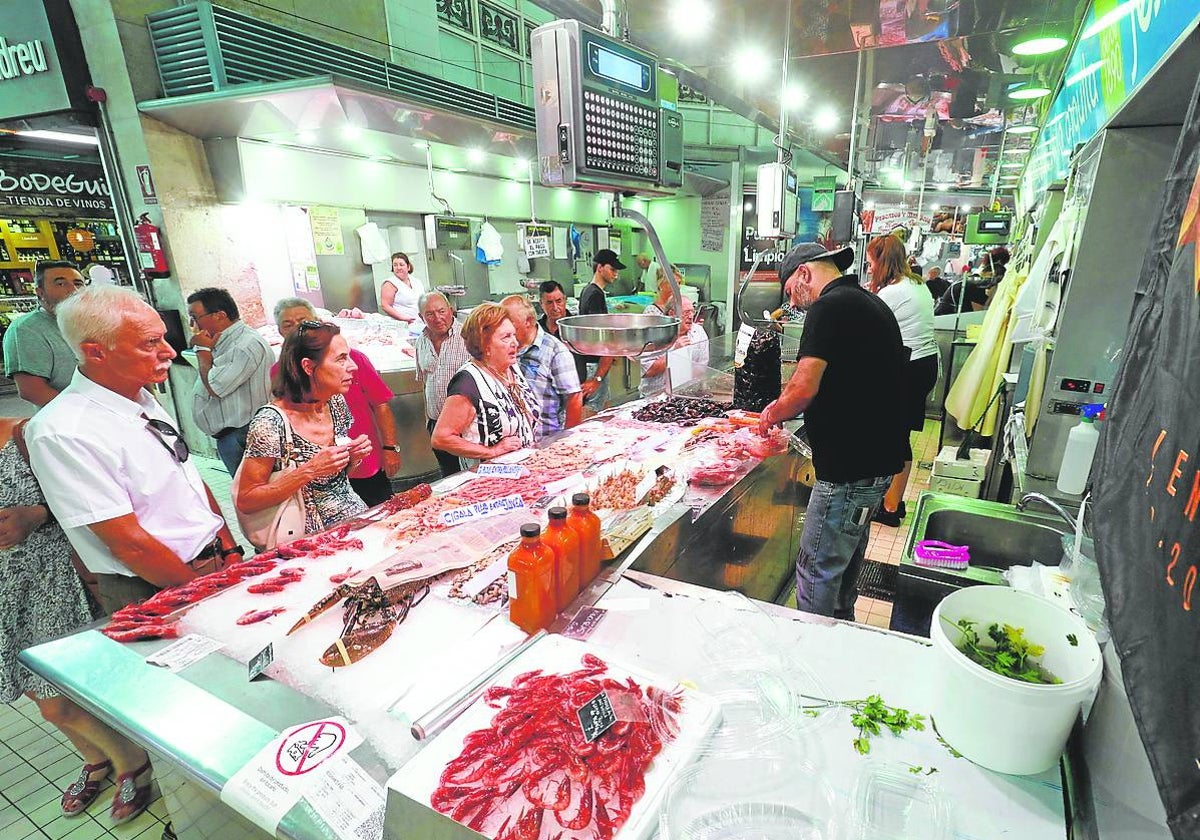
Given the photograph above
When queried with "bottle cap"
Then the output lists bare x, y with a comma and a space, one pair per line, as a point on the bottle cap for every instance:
531, 529
1091, 412
558, 513
581, 499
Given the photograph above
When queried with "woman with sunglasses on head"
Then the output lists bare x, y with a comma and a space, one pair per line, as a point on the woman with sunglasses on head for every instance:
490, 408
315, 371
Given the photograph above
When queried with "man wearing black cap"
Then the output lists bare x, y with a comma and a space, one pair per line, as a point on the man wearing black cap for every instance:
592, 301
848, 384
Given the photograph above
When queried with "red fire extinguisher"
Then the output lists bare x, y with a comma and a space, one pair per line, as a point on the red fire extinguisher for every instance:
151, 256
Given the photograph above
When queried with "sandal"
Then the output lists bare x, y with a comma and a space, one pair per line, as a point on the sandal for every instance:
82, 792
131, 798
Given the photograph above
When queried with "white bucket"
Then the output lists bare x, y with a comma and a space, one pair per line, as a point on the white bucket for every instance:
1001, 723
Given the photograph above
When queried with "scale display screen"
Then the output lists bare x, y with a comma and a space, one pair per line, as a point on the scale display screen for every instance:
609, 63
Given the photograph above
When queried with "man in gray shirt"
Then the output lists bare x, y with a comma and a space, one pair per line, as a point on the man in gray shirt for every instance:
235, 372
36, 356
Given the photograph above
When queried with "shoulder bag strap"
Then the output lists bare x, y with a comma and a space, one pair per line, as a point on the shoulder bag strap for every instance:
18, 434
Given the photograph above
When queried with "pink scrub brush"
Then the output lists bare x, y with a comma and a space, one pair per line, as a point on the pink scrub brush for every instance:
938, 554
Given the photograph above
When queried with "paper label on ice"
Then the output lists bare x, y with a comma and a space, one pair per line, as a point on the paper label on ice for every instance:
482, 580
482, 509
183, 652
502, 470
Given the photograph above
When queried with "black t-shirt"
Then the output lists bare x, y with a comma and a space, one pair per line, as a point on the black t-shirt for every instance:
948, 303
855, 422
937, 287
591, 302
580, 364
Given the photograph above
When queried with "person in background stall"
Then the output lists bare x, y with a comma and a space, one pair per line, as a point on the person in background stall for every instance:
36, 356
848, 382
441, 353
114, 469
368, 401
41, 598
592, 301
548, 367
315, 372
235, 372
399, 294
993, 267
554, 306
900, 289
661, 305
691, 346
490, 409
969, 293
935, 282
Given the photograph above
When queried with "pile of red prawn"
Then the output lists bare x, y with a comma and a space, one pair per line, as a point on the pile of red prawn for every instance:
152, 618
531, 773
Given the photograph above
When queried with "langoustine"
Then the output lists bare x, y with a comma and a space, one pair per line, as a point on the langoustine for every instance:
532, 773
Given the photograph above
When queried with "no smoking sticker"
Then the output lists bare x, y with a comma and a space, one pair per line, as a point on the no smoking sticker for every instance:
305, 748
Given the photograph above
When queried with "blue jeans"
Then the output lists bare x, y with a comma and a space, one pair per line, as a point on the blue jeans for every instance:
599, 400
836, 528
231, 446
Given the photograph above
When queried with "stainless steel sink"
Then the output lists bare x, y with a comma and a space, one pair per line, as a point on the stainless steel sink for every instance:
998, 535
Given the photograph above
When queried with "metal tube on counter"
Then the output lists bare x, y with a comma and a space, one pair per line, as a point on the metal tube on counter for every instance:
450, 708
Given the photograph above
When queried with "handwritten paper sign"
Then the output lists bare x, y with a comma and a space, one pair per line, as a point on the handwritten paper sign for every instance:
502, 470
482, 510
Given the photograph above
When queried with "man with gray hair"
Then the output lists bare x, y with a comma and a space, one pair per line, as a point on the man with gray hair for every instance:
440, 351
36, 357
113, 466
549, 367
368, 402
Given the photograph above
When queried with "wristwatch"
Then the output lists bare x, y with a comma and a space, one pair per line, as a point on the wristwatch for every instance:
233, 549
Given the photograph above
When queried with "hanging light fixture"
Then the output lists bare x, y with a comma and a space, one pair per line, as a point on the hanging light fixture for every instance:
1039, 46
1029, 92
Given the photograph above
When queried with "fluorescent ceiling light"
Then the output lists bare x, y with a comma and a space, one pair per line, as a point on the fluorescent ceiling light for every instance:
1108, 19
966, 208
1078, 76
691, 17
751, 65
935, 207
474, 156
908, 185
867, 205
60, 137
1025, 93
1024, 128
1016, 151
1040, 46
420, 144
351, 132
307, 137
825, 119
521, 164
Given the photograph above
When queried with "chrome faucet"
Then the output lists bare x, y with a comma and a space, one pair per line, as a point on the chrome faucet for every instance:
1050, 503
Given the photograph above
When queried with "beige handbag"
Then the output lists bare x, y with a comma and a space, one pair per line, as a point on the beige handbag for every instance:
279, 523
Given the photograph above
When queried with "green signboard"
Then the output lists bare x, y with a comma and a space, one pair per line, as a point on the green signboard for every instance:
33, 80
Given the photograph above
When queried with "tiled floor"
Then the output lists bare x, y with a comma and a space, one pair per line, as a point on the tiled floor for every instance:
36, 763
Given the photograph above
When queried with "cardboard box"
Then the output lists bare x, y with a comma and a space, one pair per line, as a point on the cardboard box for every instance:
975, 469
967, 487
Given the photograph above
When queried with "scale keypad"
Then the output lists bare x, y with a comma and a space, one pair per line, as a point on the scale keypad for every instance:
620, 137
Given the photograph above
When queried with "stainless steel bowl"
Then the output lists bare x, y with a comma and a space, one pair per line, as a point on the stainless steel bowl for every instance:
618, 335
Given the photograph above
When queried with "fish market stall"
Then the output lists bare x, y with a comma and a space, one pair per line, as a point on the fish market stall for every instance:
292, 688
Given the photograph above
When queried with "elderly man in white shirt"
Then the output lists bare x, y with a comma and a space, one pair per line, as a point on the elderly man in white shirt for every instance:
235, 372
440, 351
112, 464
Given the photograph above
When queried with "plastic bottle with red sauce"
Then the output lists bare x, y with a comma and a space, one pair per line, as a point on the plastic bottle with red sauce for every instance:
587, 526
563, 540
532, 588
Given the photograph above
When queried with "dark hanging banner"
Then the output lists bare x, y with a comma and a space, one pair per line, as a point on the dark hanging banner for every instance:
1147, 481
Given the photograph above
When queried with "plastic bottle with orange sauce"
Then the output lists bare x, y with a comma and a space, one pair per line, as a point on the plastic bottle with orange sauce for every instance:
587, 526
565, 543
532, 588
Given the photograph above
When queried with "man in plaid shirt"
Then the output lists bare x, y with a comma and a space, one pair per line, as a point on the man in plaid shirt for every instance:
549, 368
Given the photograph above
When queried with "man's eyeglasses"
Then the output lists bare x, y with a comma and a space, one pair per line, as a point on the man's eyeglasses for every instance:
163, 431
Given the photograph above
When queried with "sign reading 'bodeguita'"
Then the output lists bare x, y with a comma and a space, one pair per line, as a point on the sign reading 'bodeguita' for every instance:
55, 190
22, 59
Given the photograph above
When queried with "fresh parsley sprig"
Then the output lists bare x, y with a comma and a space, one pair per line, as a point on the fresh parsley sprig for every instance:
870, 717
1012, 655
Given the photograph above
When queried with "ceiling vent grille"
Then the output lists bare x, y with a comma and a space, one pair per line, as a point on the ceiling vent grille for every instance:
201, 48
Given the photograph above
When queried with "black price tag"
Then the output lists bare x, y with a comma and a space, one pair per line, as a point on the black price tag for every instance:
596, 716
260, 660
584, 623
